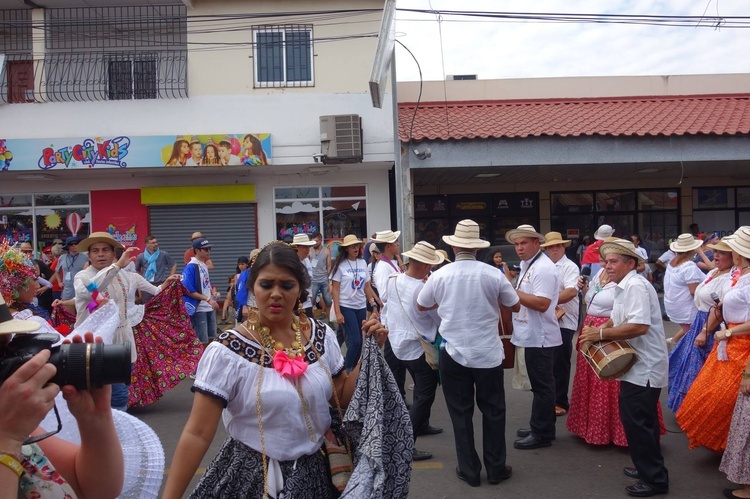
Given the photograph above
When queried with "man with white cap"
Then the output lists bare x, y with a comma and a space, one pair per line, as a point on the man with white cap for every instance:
468, 295
302, 243
406, 324
591, 255
636, 317
568, 303
535, 328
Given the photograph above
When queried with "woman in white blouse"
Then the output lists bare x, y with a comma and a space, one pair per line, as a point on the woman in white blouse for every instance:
272, 379
680, 281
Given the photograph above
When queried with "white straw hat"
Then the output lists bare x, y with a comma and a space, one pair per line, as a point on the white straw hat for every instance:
685, 243
466, 235
10, 325
553, 238
620, 247
523, 231
387, 236
740, 242
302, 240
425, 252
603, 232
349, 240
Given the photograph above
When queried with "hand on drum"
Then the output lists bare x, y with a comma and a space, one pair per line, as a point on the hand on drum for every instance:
373, 327
589, 333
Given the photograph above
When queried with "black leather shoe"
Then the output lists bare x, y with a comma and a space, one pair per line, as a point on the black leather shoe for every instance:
421, 455
640, 489
523, 432
532, 441
464, 478
430, 430
630, 471
507, 473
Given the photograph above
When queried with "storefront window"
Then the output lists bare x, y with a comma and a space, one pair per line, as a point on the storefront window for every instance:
720, 209
615, 201
41, 218
335, 211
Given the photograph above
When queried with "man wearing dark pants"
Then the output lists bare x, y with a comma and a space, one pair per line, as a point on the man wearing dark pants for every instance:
636, 317
468, 295
567, 279
406, 324
535, 328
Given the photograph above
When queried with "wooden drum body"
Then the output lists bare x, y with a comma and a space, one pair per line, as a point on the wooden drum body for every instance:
609, 359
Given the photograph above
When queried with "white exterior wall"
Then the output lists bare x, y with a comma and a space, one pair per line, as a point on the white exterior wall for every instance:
223, 100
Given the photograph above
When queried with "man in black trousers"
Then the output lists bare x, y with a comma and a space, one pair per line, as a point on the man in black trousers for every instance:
636, 317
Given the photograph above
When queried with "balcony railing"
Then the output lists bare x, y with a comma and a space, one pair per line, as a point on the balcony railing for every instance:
95, 76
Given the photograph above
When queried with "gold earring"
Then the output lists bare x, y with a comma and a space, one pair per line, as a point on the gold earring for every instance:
253, 319
304, 321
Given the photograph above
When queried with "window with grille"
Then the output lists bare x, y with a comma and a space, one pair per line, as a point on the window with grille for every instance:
132, 79
283, 56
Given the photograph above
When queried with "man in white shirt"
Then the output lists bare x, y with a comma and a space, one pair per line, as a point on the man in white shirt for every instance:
302, 244
104, 272
568, 301
406, 324
535, 328
468, 295
636, 317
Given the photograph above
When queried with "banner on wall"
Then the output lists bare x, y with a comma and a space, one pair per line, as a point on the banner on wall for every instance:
136, 152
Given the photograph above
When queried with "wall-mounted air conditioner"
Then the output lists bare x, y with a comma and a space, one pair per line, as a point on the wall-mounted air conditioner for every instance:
341, 138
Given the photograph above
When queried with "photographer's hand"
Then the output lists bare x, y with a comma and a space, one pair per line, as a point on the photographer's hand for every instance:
88, 405
25, 398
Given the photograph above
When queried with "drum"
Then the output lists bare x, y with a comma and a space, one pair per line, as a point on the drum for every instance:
609, 359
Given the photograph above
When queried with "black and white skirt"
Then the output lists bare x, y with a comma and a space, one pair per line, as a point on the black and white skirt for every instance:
237, 471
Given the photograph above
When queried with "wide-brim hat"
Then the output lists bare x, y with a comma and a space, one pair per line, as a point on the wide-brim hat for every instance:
720, 246
302, 240
99, 237
620, 247
466, 235
71, 240
387, 236
685, 243
11, 325
740, 242
349, 240
445, 255
424, 252
553, 238
603, 232
523, 231
195, 236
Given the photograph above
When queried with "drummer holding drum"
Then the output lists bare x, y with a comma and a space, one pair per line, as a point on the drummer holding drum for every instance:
636, 317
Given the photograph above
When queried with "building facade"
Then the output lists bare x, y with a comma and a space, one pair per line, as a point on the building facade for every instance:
648, 155
246, 120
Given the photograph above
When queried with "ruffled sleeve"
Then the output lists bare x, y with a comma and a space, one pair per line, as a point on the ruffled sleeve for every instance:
218, 372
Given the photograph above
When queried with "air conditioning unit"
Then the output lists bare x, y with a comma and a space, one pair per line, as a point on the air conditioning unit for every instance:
341, 138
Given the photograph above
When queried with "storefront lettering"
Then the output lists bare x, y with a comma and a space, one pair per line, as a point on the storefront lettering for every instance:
476, 205
126, 238
91, 152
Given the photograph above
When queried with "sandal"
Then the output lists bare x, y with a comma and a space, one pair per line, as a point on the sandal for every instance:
559, 411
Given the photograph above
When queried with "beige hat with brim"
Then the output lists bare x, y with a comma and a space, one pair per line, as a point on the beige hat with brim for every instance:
553, 238
195, 236
425, 252
445, 255
620, 247
349, 240
685, 243
720, 246
11, 325
99, 237
740, 242
466, 236
603, 232
302, 240
386, 236
523, 231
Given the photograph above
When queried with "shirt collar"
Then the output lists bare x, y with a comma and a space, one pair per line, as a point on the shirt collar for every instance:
465, 255
526, 262
627, 278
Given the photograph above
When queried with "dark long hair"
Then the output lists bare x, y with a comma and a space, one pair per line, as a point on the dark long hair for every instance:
283, 255
340, 257
242, 259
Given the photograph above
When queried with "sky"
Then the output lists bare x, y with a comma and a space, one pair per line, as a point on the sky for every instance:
493, 49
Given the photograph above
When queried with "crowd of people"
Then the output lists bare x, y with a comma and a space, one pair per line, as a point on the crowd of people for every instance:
310, 328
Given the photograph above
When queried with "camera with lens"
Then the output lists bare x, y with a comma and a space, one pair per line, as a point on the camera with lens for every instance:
83, 365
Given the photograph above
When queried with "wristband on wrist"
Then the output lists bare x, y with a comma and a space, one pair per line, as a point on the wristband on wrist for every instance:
601, 334
11, 462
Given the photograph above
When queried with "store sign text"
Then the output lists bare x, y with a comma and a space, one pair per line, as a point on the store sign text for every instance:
91, 152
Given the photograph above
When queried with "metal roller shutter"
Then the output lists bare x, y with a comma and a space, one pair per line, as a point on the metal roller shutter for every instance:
231, 229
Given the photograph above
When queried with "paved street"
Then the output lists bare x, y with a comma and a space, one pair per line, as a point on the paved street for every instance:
570, 468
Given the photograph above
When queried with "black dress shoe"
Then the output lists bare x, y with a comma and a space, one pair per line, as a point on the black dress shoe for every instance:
730, 493
532, 441
523, 432
507, 473
630, 471
420, 455
463, 477
430, 430
640, 489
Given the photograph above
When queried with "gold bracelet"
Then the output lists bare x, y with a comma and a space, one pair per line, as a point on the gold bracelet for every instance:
745, 375
12, 463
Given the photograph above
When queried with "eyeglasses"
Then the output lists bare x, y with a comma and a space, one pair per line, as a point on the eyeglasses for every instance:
72, 244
